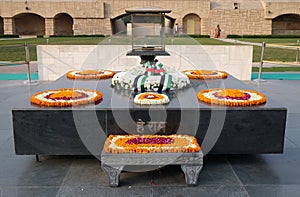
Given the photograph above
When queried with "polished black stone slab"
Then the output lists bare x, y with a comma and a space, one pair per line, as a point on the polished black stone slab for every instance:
82, 130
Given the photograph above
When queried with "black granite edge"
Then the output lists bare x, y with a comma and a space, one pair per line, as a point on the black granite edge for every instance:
59, 108
152, 108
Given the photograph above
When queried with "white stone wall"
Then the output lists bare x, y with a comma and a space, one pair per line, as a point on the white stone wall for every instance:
55, 60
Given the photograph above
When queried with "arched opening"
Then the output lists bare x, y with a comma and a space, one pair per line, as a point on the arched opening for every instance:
29, 24
63, 24
1, 26
119, 24
287, 24
192, 24
122, 24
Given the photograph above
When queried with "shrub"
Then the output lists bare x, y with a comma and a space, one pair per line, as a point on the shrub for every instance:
271, 36
9, 36
94, 35
199, 36
262, 36
233, 36
83, 35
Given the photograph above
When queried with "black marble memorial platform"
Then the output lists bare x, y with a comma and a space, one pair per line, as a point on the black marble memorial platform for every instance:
82, 130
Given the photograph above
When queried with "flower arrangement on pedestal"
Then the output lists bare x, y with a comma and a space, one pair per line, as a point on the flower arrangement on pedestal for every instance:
65, 97
90, 74
151, 98
150, 144
231, 97
205, 74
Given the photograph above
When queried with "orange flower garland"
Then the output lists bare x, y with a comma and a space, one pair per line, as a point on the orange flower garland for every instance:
90, 74
205, 74
65, 97
150, 144
148, 98
232, 97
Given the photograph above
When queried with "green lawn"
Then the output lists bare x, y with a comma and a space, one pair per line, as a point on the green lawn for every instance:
13, 50
273, 54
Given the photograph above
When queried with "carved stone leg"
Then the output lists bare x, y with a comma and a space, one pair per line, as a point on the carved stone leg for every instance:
37, 158
113, 173
191, 173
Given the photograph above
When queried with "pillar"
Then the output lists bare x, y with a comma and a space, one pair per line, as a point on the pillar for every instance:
49, 26
8, 25
76, 27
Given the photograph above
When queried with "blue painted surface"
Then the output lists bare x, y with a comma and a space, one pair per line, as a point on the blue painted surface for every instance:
18, 76
277, 76
8, 64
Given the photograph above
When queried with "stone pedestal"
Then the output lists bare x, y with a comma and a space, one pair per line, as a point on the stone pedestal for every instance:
113, 164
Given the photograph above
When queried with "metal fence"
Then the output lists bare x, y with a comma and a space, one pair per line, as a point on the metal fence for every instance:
265, 46
24, 51
292, 49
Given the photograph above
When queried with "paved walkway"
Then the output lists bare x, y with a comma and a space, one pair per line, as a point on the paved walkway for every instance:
22, 68
231, 175
239, 42
256, 44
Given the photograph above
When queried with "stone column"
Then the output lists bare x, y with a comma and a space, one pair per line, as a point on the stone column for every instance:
76, 26
49, 26
8, 25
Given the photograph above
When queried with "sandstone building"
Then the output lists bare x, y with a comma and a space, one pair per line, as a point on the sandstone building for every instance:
75, 17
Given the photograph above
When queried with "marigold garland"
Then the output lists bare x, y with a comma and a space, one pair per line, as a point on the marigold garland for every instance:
231, 97
144, 144
205, 74
149, 98
90, 74
65, 97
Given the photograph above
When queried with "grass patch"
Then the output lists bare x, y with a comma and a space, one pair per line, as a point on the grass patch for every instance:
13, 50
271, 53
274, 54
278, 69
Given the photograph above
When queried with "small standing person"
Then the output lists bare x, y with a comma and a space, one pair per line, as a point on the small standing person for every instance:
218, 32
176, 29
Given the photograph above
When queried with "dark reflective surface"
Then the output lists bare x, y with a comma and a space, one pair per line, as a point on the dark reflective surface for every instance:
236, 175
